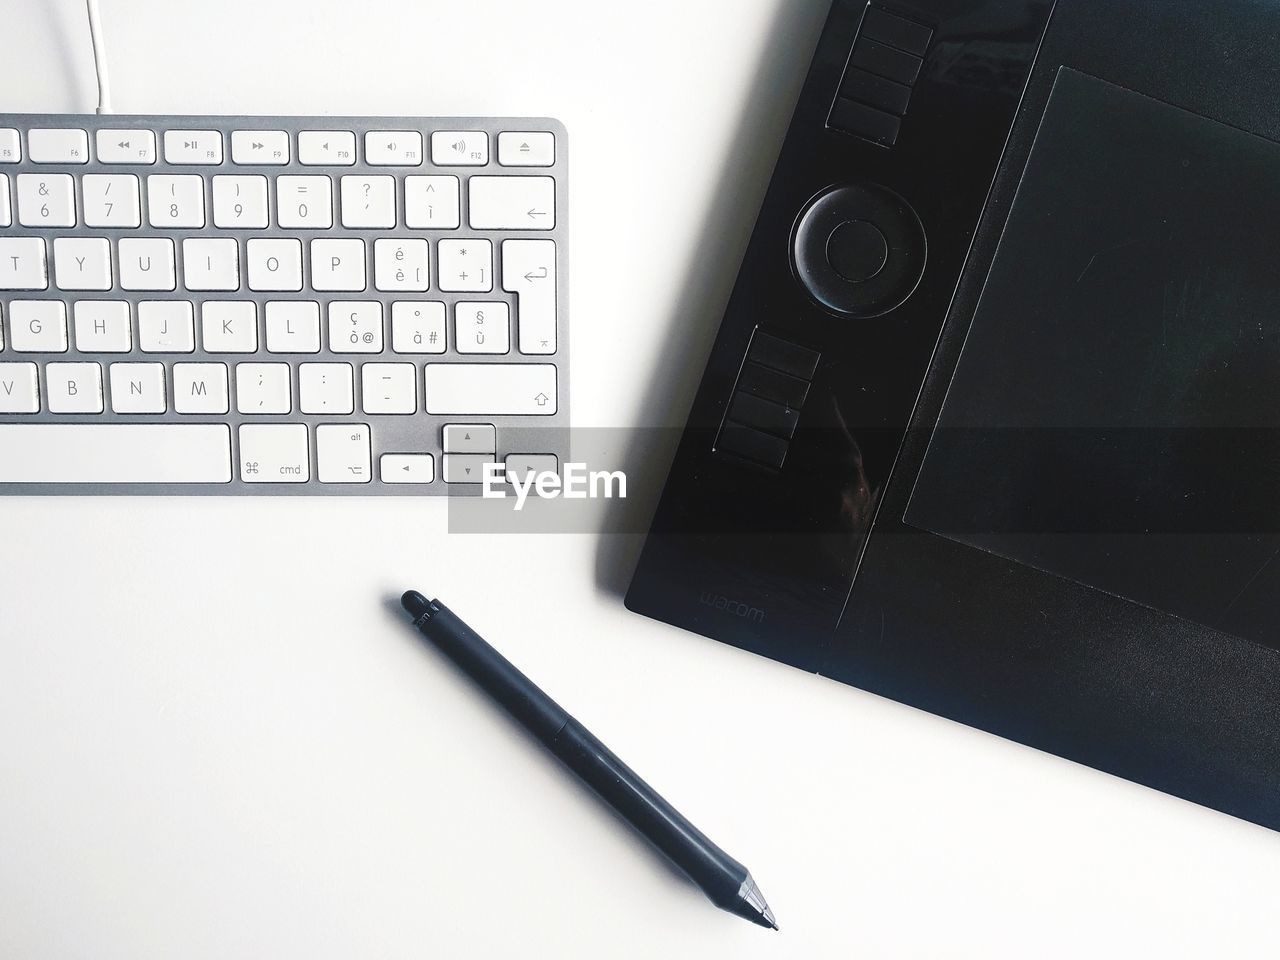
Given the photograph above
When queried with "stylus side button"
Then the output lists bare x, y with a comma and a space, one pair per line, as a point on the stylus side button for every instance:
772, 385
876, 91
896, 31
885, 61
752, 445
765, 415
781, 355
858, 118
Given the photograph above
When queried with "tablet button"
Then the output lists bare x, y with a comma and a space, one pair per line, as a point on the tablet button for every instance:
857, 250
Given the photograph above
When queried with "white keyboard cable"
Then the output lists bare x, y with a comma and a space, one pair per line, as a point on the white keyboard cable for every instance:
99, 57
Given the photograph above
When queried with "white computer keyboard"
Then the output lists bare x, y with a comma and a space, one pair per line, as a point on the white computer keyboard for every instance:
279, 305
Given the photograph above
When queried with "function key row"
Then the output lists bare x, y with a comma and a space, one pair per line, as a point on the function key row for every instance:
320, 148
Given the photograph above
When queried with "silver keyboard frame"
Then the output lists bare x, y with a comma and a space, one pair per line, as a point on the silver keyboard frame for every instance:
390, 433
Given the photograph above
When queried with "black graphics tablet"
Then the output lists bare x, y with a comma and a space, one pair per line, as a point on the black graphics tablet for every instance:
992, 423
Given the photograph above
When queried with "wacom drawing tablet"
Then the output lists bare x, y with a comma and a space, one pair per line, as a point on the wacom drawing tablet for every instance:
992, 423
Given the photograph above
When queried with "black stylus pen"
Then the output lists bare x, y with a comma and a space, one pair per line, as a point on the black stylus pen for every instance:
721, 877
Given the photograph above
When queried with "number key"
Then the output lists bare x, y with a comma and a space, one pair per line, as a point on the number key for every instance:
111, 201
46, 200
304, 202
175, 201
240, 202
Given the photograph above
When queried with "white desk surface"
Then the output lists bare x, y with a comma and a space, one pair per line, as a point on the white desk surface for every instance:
218, 741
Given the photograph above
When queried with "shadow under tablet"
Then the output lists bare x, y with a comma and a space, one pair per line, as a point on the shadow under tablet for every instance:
1115, 416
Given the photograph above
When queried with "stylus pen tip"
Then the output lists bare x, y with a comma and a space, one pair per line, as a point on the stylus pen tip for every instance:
415, 603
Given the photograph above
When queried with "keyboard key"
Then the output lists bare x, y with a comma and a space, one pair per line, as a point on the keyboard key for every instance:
193, 147
326, 388
526, 149
304, 203
19, 388
490, 389
166, 326
73, 387
368, 202
23, 264
264, 388
58, 146
466, 467
274, 264
148, 264
126, 146
393, 148
175, 201
431, 203
529, 271
46, 200
6, 209
138, 388
512, 203
465, 265
229, 326
401, 265
355, 327
293, 326
240, 202
407, 468
417, 326
10, 146
82, 263
523, 466
115, 453
470, 438
481, 327
459, 148
102, 326
337, 265
389, 388
112, 200
274, 453
209, 264
321, 148
200, 388
342, 453
260, 147
38, 326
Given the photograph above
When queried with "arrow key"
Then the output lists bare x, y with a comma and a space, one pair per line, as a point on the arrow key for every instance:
407, 468
465, 468
126, 146
470, 438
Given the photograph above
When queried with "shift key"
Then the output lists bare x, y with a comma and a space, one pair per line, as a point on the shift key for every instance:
490, 389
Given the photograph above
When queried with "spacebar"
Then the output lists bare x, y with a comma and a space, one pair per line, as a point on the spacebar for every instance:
115, 453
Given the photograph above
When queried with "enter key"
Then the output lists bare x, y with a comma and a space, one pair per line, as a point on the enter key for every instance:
529, 271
